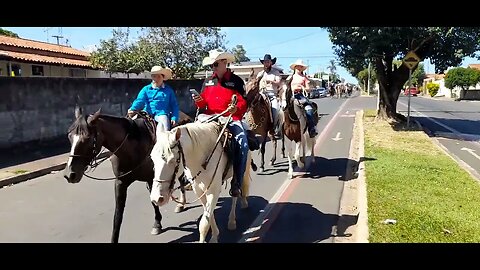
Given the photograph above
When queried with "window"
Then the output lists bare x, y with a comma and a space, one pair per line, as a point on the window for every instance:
15, 71
37, 70
75, 72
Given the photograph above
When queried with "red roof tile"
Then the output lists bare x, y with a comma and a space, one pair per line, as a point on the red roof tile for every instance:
45, 59
38, 45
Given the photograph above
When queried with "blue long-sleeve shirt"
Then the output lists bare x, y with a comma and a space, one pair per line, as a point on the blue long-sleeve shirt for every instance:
157, 101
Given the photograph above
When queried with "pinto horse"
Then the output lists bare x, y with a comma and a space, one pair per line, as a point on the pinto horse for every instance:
259, 120
129, 141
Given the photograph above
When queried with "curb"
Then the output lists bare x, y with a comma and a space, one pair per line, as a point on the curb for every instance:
352, 224
35, 174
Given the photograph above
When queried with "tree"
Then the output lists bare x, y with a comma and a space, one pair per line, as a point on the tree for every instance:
332, 67
117, 54
462, 77
7, 33
357, 46
180, 48
240, 54
362, 78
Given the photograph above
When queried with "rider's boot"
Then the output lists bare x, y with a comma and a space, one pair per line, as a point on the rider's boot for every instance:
253, 143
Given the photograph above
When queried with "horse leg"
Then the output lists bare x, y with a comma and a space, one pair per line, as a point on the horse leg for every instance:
283, 143
120, 200
274, 157
246, 185
300, 163
262, 150
207, 218
232, 219
290, 166
157, 224
181, 206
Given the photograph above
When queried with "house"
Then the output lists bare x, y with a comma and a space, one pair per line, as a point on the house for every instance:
242, 69
29, 58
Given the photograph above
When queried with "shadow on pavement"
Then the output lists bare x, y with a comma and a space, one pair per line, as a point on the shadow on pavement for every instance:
303, 223
245, 218
323, 167
469, 129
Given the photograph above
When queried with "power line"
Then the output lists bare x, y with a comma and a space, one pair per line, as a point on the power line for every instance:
305, 56
286, 41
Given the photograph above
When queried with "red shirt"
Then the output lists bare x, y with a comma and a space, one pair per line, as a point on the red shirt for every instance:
217, 95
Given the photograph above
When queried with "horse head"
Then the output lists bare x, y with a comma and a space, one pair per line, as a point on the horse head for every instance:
86, 143
252, 89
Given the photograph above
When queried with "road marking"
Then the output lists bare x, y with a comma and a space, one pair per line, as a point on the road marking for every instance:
347, 115
267, 216
337, 138
454, 131
471, 151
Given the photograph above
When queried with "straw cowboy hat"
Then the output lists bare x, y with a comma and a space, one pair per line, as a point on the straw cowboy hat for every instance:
217, 54
268, 57
166, 72
300, 63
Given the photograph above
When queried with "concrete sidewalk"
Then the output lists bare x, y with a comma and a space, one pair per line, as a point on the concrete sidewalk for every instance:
26, 171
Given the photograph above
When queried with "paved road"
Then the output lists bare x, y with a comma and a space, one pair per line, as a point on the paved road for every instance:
48, 209
455, 124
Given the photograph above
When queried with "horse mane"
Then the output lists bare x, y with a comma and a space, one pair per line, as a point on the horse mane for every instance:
197, 132
80, 126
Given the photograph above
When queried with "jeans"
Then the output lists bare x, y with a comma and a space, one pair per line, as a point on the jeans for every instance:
308, 110
163, 123
241, 151
275, 106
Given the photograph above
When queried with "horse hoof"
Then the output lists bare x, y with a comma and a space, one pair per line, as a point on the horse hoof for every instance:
232, 226
156, 231
179, 208
290, 176
254, 167
272, 162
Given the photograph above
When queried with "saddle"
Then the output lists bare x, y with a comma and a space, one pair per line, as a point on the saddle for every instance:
150, 123
268, 102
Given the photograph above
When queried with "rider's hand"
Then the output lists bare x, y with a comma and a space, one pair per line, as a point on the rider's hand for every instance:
173, 122
232, 109
196, 98
131, 113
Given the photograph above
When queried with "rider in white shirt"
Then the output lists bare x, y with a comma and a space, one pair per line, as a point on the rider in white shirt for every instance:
270, 82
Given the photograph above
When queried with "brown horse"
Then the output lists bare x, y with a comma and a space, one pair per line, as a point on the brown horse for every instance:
259, 120
130, 142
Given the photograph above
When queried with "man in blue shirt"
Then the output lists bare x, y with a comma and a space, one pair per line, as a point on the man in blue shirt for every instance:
158, 100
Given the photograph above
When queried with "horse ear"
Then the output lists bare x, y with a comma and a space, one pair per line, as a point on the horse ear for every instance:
94, 117
78, 111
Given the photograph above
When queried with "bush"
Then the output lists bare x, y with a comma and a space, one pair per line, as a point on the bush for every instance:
432, 88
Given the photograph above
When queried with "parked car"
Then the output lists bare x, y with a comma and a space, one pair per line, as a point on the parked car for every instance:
322, 92
314, 93
413, 91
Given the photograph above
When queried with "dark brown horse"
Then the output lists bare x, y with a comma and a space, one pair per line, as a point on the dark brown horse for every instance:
129, 141
259, 120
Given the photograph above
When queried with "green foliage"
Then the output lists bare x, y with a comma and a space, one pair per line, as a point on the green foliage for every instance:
180, 48
240, 54
432, 88
462, 77
362, 77
7, 33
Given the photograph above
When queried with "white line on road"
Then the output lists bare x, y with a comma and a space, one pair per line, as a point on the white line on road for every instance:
471, 151
337, 138
454, 131
260, 220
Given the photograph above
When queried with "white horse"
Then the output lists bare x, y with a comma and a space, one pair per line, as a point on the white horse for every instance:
183, 150
296, 131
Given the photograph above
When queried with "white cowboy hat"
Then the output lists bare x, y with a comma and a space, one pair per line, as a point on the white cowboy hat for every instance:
166, 72
217, 54
299, 62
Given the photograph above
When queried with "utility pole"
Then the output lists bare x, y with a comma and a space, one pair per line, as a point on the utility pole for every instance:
368, 80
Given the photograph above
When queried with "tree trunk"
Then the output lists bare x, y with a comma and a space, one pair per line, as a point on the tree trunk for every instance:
391, 83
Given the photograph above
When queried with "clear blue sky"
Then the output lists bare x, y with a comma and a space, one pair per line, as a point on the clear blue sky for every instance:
286, 43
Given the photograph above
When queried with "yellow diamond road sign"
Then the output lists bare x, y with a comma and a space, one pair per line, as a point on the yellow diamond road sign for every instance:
411, 60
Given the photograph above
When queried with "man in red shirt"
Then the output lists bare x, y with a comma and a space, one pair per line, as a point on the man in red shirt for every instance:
216, 97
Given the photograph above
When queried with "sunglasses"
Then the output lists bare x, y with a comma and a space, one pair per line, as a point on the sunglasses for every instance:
216, 63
